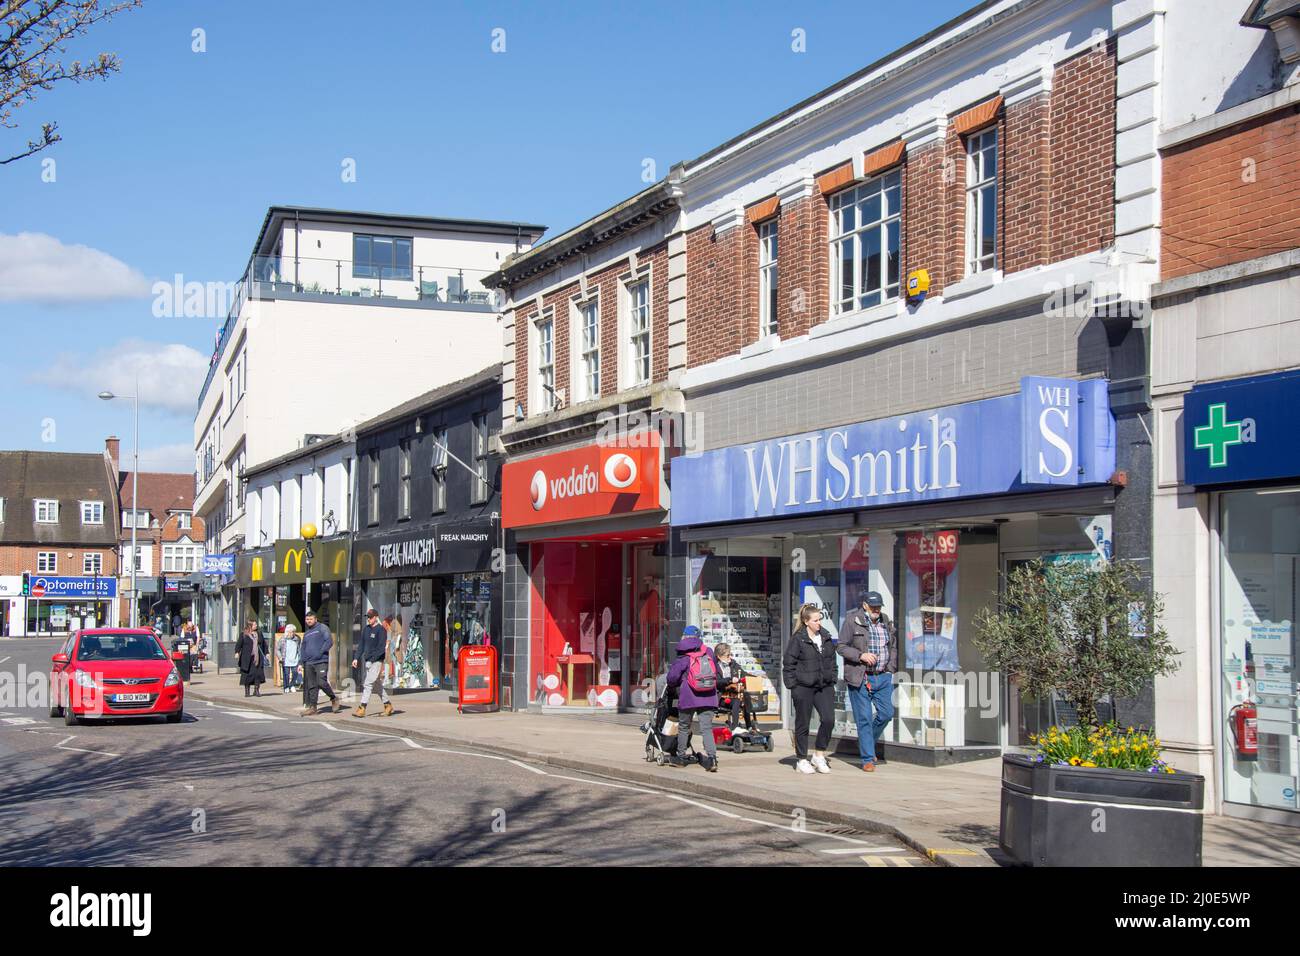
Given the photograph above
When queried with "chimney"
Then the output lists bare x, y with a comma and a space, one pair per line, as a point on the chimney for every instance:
112, 447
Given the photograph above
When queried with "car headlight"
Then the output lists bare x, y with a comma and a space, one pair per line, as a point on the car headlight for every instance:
172, 679
84, 679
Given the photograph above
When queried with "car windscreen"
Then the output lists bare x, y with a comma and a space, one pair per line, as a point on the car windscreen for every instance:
119, 647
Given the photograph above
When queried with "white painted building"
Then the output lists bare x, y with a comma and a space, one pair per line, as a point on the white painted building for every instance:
338, 317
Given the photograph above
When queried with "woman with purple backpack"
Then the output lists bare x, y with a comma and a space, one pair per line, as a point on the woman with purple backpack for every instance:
695, 673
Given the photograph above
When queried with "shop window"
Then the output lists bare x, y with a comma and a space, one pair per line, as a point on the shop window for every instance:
865, 259
1260, 581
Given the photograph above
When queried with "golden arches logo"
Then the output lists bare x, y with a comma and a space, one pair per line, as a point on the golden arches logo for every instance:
365, 563
340, 561
293, 559
257, 571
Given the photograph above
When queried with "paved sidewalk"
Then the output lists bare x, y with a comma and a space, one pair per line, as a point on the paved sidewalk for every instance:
948, 813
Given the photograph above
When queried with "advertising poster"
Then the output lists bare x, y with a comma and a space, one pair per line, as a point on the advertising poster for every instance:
931, 601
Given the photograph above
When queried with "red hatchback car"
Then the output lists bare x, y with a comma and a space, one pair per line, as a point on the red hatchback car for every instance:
115, 672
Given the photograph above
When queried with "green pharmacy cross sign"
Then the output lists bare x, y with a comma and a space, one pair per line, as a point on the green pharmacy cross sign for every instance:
1218, 435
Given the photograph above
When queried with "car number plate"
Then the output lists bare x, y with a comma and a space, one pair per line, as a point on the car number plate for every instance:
129, 698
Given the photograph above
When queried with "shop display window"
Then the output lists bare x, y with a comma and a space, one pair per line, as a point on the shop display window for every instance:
1259, 579
736, 599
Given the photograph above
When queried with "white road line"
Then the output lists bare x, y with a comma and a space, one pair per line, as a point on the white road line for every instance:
98, 753
602, 783
252, 715
3, 659
412, 744
850, 851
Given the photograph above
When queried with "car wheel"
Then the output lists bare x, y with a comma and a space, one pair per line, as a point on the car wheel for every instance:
70, 718
176, 718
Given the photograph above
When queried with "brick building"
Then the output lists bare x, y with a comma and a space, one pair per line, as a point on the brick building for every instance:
1226, 390
845, 303
59, 525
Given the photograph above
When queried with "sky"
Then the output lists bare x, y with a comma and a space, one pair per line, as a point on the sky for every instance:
536, 112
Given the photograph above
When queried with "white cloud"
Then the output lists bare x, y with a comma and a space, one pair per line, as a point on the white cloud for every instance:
35, 267
175, 458
170, 375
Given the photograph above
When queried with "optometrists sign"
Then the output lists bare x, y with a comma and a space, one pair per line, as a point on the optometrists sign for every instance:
1053, 432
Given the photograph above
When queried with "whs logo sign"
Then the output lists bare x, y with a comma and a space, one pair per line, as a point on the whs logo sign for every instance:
618, 473
588, 482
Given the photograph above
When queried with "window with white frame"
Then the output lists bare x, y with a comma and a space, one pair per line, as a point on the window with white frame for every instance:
864, 239
439, 470
47, 511
2, 510
589, 349
374, 486
135, 519
404, 498
638, 328
92, 563
767, 277
546, 362
480, 449
982, 200
92, 512
182, 558
143, 561
47, 562
184, 520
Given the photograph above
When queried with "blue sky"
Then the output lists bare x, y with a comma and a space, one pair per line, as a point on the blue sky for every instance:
169, 166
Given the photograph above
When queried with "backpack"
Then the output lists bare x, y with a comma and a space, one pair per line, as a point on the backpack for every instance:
701, 675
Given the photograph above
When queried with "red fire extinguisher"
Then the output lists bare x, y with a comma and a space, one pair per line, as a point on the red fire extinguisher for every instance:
1245, 730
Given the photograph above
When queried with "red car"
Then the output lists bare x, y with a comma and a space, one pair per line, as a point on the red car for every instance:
115, 672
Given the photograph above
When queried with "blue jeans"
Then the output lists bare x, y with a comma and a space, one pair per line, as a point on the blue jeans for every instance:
876, 693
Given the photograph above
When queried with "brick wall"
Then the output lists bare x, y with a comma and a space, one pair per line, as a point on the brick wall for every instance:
15, 559
714, 323
605, 283
560, 303
1232, 196
657, 258
803, 263
1026, 151
1083, 154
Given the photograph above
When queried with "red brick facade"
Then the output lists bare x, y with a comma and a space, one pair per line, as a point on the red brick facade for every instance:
1056, 159
15, 559
1232, 196
607, 286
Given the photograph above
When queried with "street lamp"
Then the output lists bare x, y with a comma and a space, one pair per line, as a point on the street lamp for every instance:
108, 396
308, 535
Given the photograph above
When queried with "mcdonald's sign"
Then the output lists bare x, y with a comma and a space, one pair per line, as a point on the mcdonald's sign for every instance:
329, 561
259, 570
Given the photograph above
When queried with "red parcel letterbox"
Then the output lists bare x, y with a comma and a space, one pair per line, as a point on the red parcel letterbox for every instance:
478, 678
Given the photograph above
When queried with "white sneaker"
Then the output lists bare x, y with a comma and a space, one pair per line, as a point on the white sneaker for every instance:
820, 765
803, 766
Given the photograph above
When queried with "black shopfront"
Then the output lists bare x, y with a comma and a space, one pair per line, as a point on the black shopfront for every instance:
428, 526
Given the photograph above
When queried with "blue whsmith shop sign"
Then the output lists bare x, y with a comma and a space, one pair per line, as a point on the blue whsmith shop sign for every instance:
1054, 432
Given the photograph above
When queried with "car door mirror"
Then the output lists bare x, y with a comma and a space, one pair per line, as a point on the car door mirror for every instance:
59, 659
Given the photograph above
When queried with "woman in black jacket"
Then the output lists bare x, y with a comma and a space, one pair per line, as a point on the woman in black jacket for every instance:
809, 670
251, 653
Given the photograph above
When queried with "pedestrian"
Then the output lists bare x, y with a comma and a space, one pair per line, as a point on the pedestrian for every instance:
695, 674
251, 655
291, 659
809, 672
316, 645
731, 682
176, 624
869, 645
371, 651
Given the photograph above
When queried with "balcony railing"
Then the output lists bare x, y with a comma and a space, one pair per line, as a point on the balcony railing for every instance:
371, 283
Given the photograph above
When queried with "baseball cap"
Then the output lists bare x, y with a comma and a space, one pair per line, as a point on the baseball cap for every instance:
372, 613
690, 631
873, 599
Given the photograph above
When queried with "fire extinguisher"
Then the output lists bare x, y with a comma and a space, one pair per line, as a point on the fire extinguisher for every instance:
1245, 730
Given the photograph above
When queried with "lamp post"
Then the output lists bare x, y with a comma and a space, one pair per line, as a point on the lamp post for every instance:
309, 535
108, 396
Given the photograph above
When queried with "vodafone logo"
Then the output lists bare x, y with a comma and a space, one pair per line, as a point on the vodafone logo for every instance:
620, 471
538, 490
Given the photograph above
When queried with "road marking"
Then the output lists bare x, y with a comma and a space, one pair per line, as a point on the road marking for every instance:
3, 659
850, 850
61, 745
599, 783
412, 744
251, 715
18, 721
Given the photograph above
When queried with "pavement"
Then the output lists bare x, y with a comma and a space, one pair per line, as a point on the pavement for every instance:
947, 814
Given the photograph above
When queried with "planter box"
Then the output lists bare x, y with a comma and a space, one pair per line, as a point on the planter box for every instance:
1092, 816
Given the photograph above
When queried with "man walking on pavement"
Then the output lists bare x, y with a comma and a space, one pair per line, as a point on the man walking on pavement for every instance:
868, 643
316, 644
370, 653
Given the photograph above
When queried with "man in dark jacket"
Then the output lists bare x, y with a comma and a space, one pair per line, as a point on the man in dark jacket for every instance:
699, 698
869, 645
316, 645
370, 654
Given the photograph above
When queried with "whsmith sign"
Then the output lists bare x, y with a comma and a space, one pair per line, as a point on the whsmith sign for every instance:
1242, 430
1054, 432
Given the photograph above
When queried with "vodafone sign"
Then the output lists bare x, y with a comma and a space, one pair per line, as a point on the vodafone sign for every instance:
589, 482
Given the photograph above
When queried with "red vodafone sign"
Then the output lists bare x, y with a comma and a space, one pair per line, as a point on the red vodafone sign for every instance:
589, 482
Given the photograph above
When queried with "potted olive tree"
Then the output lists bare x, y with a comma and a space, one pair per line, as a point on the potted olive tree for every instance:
1091, 794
